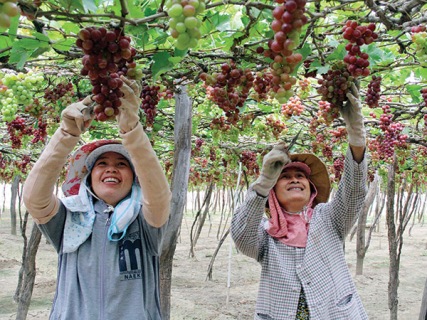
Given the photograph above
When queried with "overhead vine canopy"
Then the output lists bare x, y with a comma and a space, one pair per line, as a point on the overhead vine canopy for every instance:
256, 71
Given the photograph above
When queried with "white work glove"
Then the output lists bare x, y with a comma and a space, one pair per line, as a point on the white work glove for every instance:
353, 118
76, 118
272, 166
128, 111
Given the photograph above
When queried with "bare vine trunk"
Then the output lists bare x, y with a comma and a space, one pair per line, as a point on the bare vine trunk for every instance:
393, 283
13, 200
179, 186
423, 311
200, 219
27, 273
361, 245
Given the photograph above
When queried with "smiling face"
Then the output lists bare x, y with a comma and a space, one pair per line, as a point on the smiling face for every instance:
112, 177
293, 190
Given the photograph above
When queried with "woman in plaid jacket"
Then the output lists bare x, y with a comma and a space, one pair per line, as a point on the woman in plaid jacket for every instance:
304, 274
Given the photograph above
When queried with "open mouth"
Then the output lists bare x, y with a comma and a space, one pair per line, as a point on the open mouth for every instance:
111, 180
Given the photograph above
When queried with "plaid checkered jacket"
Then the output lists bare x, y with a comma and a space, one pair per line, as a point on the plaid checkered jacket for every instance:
320, 268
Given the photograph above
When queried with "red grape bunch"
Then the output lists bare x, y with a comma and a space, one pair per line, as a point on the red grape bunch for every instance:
384, 145
63, 92
149, 100
338, 168
334, 86
326, 113
262, 84
288, 19
419, 37
276, 126
423, 92
374, 91
358, 35
249, 160
8, 9
229, 89
220, 124
18, 128
293, 107
108, 55
40, 132
198, 146
184, 25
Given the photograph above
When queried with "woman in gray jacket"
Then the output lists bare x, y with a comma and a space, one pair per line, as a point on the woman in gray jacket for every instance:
299, 244
109, 228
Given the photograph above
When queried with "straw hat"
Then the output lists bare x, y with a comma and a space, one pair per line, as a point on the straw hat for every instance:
83, 159
319, 175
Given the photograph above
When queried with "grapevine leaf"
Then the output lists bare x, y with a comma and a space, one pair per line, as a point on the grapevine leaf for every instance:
161, 64
18, 56
414, 91
420, 73
338, 54
89, 5
63, 45
4, 43
137, 11
220, 21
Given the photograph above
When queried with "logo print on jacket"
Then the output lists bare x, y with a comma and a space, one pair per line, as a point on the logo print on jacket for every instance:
130, 250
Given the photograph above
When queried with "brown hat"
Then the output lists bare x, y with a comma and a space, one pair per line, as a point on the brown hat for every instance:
319, 175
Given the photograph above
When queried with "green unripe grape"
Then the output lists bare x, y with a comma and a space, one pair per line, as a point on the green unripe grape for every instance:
175, 10
188, 11
180, 27
173, 22
201, 8
194, 3
168, 4
191, 22
192, 43
182, 41
194, 33
4, 20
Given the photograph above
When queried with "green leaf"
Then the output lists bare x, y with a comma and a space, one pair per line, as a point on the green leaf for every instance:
136, 12
338, 54
64, 45
41, 37
161, 64
220, 21
5, 42
71, 27
18, 56
30, 44
420, 73
89, 5
414, 91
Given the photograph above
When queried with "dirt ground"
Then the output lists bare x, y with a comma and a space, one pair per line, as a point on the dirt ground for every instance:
231, 293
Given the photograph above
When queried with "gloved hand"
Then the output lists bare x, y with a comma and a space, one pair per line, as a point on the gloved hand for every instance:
128, 112
272, 166
76, 118
353, 118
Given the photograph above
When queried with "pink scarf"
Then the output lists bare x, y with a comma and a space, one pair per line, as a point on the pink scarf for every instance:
290, 229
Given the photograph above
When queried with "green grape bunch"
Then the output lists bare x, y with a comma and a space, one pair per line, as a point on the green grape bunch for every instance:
17, 90
419, 37
183, 23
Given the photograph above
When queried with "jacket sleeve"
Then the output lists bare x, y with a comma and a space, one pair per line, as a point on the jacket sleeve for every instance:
38, 195
344, 209
247, 229
154, 185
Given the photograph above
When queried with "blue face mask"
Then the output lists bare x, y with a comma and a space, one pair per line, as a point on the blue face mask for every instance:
124, 214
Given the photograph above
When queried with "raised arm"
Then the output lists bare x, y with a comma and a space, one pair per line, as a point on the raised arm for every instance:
154, 185
38, 195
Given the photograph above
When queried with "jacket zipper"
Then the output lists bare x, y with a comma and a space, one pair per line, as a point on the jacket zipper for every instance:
102, 270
